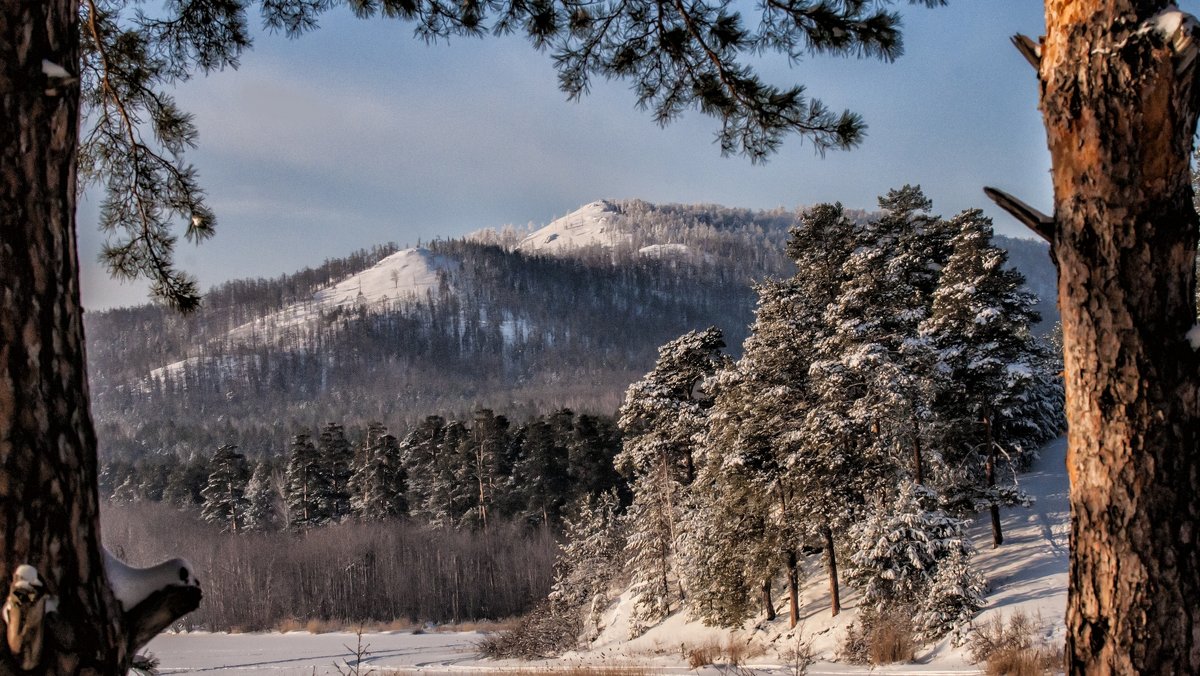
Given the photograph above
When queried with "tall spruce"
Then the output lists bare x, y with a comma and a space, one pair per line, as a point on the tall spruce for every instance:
381, 480
337, 455
225, 501
262, 510
308, 485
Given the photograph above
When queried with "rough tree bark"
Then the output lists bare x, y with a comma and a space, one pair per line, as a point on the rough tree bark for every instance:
1119, 102
990, 477
47, 442
835, 597
793, 587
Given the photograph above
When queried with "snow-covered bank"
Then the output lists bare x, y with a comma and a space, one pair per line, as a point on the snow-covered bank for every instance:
1027, 574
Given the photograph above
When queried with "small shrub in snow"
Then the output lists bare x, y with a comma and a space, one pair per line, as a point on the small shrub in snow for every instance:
881, 638
800, 655
545, 632
702, 655
1013, 648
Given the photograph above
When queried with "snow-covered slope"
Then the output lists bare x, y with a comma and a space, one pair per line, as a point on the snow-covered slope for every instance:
1027, 574
409, 273
590, 225
406, 274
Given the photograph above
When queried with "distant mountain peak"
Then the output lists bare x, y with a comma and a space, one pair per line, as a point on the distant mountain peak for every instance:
593, 224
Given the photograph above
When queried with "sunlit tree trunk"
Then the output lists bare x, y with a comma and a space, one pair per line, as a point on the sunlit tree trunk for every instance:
835, 597
1119, 102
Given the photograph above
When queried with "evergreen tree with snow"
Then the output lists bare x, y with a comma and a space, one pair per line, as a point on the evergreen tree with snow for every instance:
993, 377
184, 483
338, 456
593, 443
540, 473
590, 559
419, 453
381, 480
489, 454
901, 547
725, 554
262, 512
663, 419
952, 598
308, 485
362, 453
225, 501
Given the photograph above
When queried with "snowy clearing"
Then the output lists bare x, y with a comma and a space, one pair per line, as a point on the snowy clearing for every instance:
1028, 573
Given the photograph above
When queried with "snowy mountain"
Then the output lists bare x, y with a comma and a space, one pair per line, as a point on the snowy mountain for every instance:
592, 224
398, 334
407, 275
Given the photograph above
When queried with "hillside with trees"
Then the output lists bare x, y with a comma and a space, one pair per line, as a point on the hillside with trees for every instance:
493, 323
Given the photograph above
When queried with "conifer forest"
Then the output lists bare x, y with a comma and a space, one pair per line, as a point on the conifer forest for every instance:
880, 383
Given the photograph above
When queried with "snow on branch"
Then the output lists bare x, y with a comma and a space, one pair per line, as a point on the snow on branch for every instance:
152, 598
132, 585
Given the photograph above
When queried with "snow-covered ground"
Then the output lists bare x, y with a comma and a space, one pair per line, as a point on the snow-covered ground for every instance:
299, 652
1027, 574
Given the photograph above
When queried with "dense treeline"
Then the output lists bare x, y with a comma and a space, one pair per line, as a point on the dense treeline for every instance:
503, 329
450, 474
455, 521
889, 390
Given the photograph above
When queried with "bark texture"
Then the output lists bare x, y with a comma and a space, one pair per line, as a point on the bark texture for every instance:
835, 597
1119, 104
50, 514
47, 443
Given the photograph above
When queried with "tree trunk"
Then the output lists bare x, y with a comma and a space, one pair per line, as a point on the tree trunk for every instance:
835, 599
1119, 102
990, 472
768, 602
793, 589
918, 465
47, 441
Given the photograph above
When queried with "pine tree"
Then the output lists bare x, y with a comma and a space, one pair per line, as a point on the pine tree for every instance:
900, 547
663, 416
262, 512
225, 501
540, 473
381, 481
362, 453
419, 452
981, 330
489, 454
593, 444
952, 598
338, 456
590, 559
308, 485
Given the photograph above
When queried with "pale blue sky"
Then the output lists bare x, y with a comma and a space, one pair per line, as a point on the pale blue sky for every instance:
358, 134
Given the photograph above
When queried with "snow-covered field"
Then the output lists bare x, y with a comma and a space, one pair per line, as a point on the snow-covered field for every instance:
1027, 574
